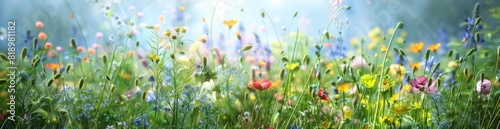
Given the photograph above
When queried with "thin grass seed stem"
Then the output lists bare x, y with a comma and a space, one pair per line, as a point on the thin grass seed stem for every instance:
383, 65
81, 31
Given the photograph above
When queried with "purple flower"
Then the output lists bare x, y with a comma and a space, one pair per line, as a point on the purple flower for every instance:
421, 83
483, 86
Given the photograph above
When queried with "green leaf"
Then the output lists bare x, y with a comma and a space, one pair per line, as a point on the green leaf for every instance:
42, 113
246, 48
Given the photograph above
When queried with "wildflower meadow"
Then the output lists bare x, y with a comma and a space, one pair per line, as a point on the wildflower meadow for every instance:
161, 64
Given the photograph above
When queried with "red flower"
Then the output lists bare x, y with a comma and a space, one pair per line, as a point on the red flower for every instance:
260, 85
322, 95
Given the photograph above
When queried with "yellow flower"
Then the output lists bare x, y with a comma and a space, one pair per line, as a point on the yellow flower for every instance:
417, 47
325, 124
400, 40
182, 8
375, 32
426, 116
393, 121
125, 75
453, 65
252, 97
416, 105
195, 47
397, 70
364, 101
275, 84
383, 48
230, 23
387, 83
343, 87
393, 98
406, 87
373, 44
154, 57
347, 112
434, 47
400, 109
368, 80
329, 65
354, 42
336, 96
292, 66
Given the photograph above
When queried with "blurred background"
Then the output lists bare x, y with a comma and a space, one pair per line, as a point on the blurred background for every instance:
429, 21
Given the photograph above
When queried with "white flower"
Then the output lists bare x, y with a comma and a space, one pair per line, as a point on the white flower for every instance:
208, 85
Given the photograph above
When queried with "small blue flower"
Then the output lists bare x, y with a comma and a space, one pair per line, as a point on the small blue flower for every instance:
294, 127
150, 96
428, 64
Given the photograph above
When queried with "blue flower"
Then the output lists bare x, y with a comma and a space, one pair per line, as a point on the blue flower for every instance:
469, 34
150, 96
294, 127
428, 64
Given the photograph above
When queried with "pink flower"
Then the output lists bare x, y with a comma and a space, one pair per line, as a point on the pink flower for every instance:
140, 14
414, 90
278, 97
59, 48
51, 54
98, 35
421, 84
483, 86
135, 32
359, 62
39, 25
95, 45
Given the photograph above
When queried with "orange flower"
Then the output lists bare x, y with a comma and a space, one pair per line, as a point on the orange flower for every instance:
85, 59
53, 66
91, 51
416, 65
260, 85
230, 23
47, 45
161, 18
261, 63
417, 47
42, 36
434, 47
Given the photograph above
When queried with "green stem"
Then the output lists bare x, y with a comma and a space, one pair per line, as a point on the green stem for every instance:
399, 26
